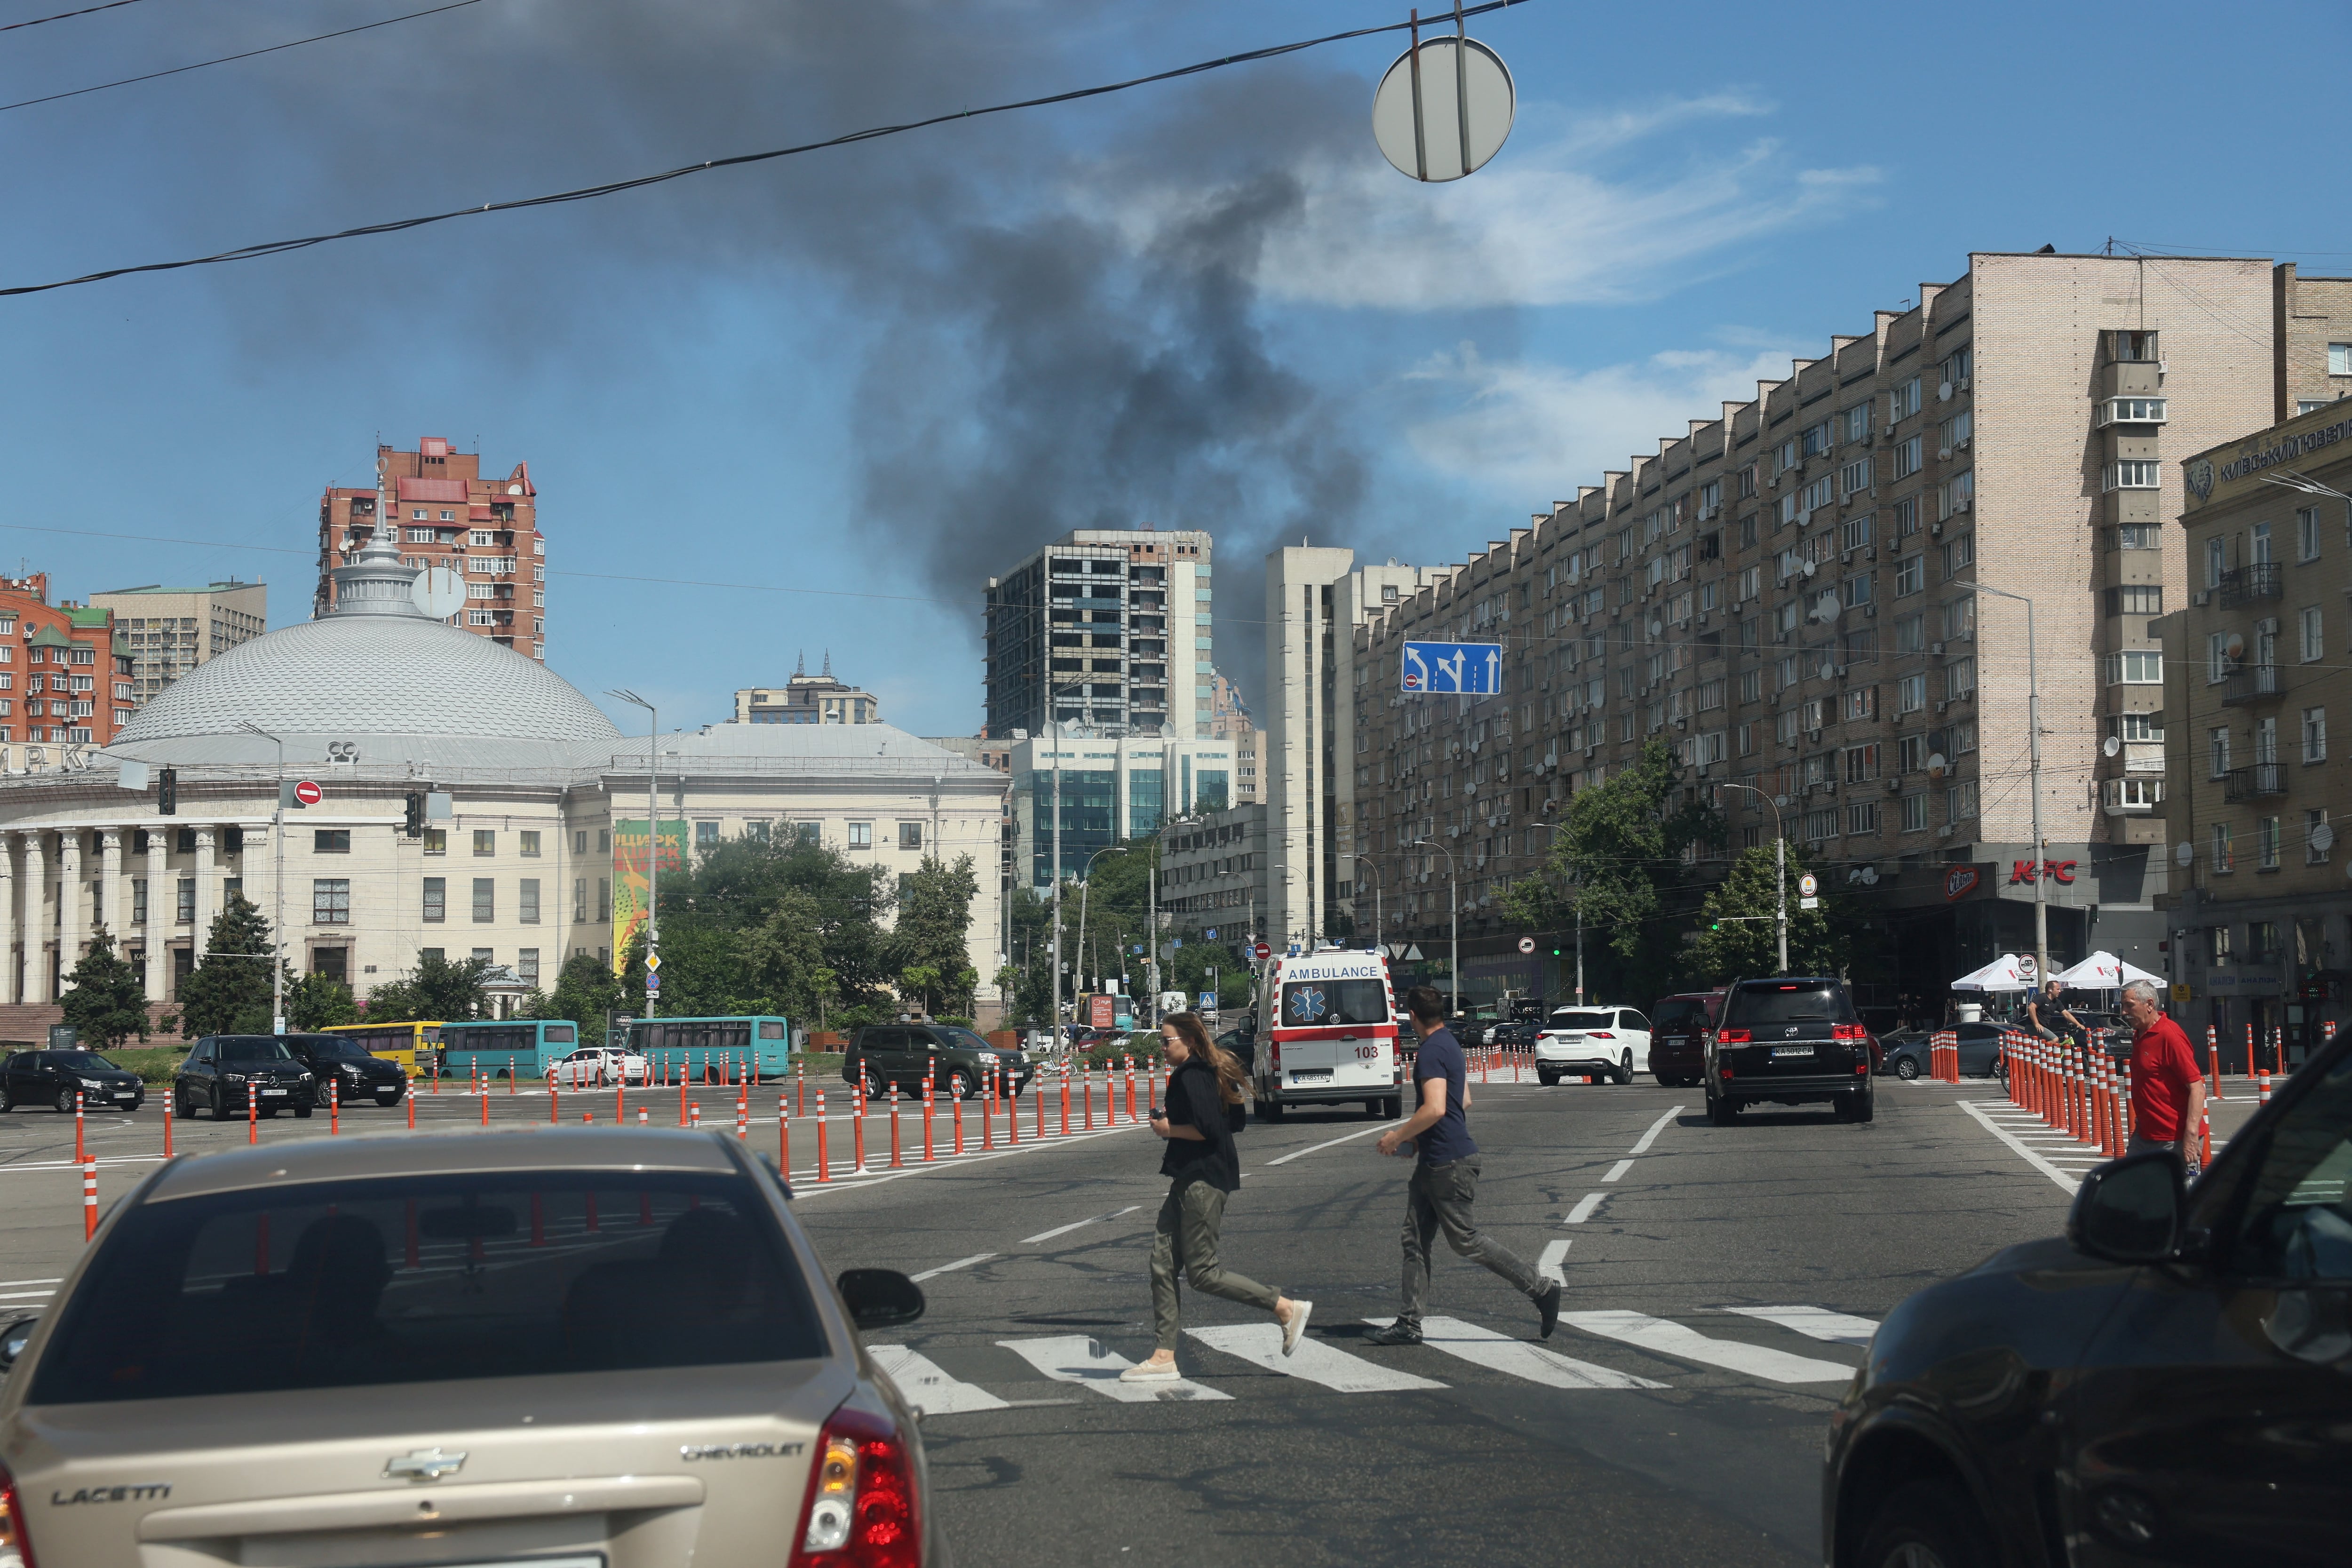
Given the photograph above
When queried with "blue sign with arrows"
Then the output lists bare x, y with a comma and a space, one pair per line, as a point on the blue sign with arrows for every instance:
1463, 668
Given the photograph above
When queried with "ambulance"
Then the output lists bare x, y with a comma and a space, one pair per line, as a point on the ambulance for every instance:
1328, 1034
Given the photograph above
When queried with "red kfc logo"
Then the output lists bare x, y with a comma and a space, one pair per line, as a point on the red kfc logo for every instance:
2056, 870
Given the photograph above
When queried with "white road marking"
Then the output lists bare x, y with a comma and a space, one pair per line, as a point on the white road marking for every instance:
951, 1267
23, 1295
1261, 1344
1074, 1358
1555, 1253
1376, 1127
1618, 1170
1815, 1323
1682, 1343
927, 1388
1074, 1225
1583, 1209
1655, 1128
1500, 1353
2065, 1180
59, 1280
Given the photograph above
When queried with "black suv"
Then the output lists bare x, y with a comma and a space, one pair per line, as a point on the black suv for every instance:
955, 1059
1794, 1040
357, 1076
54, 1078
2167, 1383
221, 1070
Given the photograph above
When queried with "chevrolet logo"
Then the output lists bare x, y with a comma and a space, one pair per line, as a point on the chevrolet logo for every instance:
424, 1465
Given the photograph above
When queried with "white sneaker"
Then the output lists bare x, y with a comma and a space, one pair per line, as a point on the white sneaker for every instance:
1292, 1330
1151, 1372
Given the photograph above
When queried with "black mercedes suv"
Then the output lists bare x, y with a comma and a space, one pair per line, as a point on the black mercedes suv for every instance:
955, 1059
356, 1075
223, 1070
1791, 1040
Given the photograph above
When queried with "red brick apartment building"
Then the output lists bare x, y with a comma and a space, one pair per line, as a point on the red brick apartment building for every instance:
62, 683
484, 530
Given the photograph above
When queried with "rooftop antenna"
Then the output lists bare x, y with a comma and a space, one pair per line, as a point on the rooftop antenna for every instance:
799, 662
828, 664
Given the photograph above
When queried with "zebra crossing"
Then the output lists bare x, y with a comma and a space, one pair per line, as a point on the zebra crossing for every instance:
1465, 1353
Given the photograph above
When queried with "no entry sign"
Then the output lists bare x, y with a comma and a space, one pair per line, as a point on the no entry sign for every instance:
1263, 950
309, 793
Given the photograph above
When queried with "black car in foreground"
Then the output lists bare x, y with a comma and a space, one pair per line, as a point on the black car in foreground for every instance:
224, 1073
1792, 1040
342, 1061
54, 1078
2170, 1382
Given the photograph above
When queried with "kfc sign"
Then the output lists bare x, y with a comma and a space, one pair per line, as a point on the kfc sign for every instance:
2056, 870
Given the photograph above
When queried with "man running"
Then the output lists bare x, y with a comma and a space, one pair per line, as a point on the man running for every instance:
1445, 1178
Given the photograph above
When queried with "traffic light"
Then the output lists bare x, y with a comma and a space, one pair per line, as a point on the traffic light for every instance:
167, 792
412, 824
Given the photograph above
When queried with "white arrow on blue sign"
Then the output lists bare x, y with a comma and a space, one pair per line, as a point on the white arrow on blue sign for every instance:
1452, 668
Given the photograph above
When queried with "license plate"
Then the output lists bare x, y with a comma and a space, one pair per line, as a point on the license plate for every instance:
267, 1092
1792, 1050
1311, 1075
126, 1094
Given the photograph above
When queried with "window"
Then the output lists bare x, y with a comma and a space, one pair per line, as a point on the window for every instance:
2314, 735
1960, 554
1905, 461
2137, 726
1914, 814
861, 835
1860, 703
436, 900
1960, 679
603, 900
2135, 536
1816, 438
1903, 400
2135, 474
1960, 618
2137, 599
706, 835
2258, 544
527, 902
1854, 478
1910, 634
139, 901
527, 965
579, 900
603, 841
486, 900
2313, 821
2224, 860
486, 841
1910, 575
2132, 347
436, 841
331, 902
2136, 667
528, 845
2306, 533
1960, 803
2266, 844
1857, 422
331, 841
2314, 634
1861, 763
1911, 694
1863, 819
2339, 359
910, 835
2217, 751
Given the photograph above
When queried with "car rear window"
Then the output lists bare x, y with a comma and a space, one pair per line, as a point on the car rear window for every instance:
1683, 1014
1309, 1002
1791, 1002
1569, 1018
254, 1048
419, 1279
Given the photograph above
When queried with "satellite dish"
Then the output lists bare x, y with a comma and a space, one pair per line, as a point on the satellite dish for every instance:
1810, 568
514, 490
1870, 875
2111, 745
1937, 765
2184, 853
439, 592
1827, 610
1444, 109
2323, 837
1781, 800
2234, 647
1657, 627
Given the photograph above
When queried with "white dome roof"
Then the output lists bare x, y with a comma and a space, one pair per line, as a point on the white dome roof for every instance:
362, 675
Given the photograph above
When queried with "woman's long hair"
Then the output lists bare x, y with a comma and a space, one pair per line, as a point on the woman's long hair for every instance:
1205, 1049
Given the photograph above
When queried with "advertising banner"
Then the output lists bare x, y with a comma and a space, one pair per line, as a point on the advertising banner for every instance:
631, 880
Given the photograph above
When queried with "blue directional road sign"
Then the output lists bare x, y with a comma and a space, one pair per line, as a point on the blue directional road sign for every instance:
1467, 669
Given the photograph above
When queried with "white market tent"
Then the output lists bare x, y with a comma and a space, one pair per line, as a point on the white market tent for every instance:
2007, 972
2104, 972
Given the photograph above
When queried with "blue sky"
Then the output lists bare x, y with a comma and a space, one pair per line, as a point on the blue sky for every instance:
807, 405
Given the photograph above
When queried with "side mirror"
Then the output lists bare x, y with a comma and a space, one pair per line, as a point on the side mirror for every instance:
2130, 1210
14, 1339
880, 1298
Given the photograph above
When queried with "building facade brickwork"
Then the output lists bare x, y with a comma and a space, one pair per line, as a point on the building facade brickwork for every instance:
484, 530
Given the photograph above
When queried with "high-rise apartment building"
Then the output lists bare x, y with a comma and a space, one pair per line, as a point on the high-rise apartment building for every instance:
1317, 600
1110, 789
64, 682
807, 698
1229, 719
1107, 628
486, 531
168, 632
1799, 594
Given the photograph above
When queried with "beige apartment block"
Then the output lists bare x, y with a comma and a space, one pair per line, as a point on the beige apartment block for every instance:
168, 632
2255, 661
1797, 594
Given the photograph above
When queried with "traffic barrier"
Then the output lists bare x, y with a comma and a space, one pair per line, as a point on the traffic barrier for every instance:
1011, 1109
1086, 1092
987, 1109
643, 1117
897, 1161
800, 1087
858, 1124
2213, 1060
621, 1097
1131, 1093
2250, 1047
1066, 1105
410, 1097
955, 1099
681, 1096
88, 1198
743, 1113
784, 1136
511, 1075
824, 1167
436, 1065
1037, 1092
2124, 1117
253, 1113
553, 1115
2263, 1087
334, 1106
929, 1085
81, 1149
172, 1114
2204, 1137
2278, 1051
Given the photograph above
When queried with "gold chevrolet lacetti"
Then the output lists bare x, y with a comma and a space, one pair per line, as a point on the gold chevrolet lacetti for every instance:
555, 1348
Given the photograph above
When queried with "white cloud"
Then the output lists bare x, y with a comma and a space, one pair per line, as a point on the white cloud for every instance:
1536, 431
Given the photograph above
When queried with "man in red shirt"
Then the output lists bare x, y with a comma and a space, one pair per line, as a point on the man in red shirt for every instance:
2167, 1091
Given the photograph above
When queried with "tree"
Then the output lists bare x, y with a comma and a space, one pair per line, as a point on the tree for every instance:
320, 1002
585, 992
439, 990
109, 1001
931, 938
1735, 934
228, 991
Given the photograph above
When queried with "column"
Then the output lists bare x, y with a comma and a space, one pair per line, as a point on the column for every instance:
36, 920
203, 930
162, 907
114, 893
10, 977
68, 905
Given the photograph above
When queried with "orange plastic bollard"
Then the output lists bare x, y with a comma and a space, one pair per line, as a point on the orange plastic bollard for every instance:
1087, 1091
1066, 1105
858, 1124
2213, 1062
553, 1115
987, 1109
641, 1117
435, 1065
1012, 1108
170, 1114
334, 1106
252, 1113
411, 1098
824, 1167
896, 1162
89, 1199
928, 1084
1131, 1093
681, 1096
620, 1097
2263, 1087
511, 1075
2123, 1110
743, 1114
694, 1115
2250, 1049
2278, 1051
956, 1096
800, 1087
81, 1150
2204, 1138
784, 1136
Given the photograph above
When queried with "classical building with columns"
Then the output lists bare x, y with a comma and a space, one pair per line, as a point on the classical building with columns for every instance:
375, 701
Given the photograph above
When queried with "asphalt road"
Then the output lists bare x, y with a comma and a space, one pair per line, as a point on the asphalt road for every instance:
1719, 1285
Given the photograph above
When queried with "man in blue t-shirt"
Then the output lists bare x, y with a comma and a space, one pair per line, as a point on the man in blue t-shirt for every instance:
1445, 1178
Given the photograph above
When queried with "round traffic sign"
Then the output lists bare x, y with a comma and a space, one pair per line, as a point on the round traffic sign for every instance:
307, 793
1263, 951
1527, 945
1444, 109
1808, 885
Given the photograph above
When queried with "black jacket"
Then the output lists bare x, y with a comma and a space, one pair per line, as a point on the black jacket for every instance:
1192, 1101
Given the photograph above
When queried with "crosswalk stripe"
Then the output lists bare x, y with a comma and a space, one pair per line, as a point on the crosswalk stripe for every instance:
1815, 1323
1074, 1358
927, 1388
1555, 1253
1261, 1344
1689, 1344
1517, 1358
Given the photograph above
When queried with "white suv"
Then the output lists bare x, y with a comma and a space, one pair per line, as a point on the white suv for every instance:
1609, 1042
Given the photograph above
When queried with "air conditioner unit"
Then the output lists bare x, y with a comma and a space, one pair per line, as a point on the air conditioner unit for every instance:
1941, 706
1960, 503
2199, 599
1964, 384
1963, 442
1682, 723
1935, 531
1812, 734
1870, 553
1944, 831
1936, 649
1870, 609
1895, 787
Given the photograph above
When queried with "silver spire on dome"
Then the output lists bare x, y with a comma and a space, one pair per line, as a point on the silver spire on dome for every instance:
376, 583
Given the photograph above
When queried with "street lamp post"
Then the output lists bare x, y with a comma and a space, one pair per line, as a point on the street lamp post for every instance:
1454, 908
2034, 755
277, 883
653, 842
1780, 870
1085, 887
1555, 827
1367, 862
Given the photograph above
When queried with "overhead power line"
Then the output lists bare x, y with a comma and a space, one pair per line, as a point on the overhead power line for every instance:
110, 4
614, 187
222, 60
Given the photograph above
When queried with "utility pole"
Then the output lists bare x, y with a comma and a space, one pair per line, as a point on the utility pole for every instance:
278, 880
1152, 924
1779, 871
653, 845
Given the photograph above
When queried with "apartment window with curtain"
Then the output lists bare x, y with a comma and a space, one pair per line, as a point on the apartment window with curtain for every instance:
2267, 839
486, 900
436, 900
2223, 859
580, 898
2313, 631
330, 900
2314, 735
527, 900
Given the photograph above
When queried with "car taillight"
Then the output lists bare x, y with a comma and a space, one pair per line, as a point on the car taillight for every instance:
1733, 1037
860, 1510
1273, 1055
1600, 1034
1848, 1032
16, 1551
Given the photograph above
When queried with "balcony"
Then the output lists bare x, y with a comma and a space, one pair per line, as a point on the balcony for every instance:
2249, 585
2255, 683
2255, 782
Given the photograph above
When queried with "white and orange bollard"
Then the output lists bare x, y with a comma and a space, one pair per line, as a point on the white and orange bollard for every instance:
824, 1166
784, 1136
2262, 1086
88, 1198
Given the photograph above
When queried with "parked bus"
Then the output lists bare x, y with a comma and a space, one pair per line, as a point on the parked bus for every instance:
525, 1047
710, 1049
1328, 1035
411, 1044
